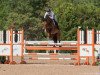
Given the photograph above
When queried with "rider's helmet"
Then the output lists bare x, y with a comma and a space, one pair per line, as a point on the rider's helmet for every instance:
48, 10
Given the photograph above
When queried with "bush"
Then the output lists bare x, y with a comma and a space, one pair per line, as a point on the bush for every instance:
2, 59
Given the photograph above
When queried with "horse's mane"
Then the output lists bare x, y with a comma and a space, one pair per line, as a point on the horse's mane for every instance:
49, 22
48, 19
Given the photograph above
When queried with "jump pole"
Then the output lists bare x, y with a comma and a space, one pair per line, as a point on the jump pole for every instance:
93, 56
11, 47
78, 47
22, 48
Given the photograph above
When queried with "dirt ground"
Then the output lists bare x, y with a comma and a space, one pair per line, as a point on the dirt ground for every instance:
48, 67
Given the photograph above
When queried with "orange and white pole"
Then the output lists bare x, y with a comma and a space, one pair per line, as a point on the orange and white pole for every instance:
93, 56
22, 48
78, 47
11, 46
22, 43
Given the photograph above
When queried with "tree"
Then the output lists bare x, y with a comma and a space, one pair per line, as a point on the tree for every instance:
73, 13
22, 13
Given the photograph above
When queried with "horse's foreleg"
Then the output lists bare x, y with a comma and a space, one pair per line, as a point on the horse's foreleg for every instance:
58, 39
48, 38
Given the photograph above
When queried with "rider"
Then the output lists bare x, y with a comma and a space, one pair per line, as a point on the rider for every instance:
52, 16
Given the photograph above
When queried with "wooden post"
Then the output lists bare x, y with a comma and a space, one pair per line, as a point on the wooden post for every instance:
93, 56
11, 48
78, 47
22, 48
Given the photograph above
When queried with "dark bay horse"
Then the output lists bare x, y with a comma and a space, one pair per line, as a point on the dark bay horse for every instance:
52, 30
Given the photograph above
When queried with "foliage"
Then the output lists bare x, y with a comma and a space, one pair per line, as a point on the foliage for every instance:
69, 13
74, 13
22, 13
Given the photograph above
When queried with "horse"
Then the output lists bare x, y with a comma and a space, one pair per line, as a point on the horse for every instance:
52, 31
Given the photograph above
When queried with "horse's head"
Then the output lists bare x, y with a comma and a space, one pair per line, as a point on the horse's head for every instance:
48, 20
48, 23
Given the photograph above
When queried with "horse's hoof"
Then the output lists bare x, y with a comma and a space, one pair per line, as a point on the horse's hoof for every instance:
59, 46
54, 46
